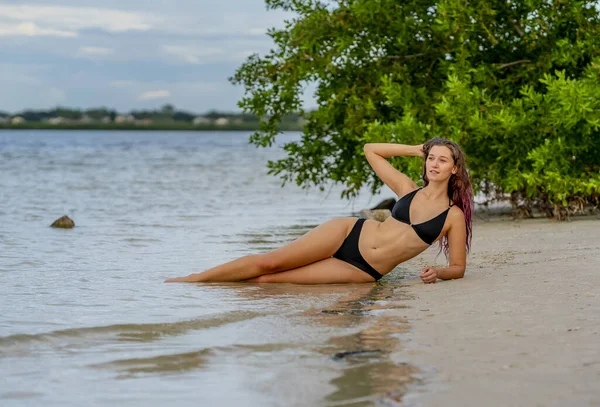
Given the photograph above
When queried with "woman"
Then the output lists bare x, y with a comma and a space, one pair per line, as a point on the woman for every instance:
347, 250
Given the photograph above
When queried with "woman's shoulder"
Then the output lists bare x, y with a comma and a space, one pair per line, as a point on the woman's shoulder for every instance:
456, 214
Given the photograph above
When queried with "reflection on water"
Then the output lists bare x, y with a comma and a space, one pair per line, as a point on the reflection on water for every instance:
365, 376
369, 376
164, 364
182, 362
93, 336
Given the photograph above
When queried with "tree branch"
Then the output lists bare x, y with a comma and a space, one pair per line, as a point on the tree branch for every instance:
405, 56
522, 61
518, 28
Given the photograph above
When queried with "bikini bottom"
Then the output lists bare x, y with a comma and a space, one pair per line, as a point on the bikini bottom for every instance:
350, 253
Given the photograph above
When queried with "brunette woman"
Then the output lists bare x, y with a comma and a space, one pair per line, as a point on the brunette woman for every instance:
351, 250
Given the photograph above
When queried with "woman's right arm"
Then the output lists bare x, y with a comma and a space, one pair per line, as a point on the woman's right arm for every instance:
377, 154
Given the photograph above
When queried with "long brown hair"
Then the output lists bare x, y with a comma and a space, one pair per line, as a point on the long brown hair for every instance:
460, 190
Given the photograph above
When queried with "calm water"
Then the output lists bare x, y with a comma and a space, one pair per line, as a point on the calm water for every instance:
86, 319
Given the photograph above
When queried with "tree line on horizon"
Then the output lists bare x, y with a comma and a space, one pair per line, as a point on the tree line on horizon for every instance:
166, 113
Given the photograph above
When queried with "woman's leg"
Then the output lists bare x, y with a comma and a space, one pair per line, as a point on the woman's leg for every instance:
320, 243
328, 271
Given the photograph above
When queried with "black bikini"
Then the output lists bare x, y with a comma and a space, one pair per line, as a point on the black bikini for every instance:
428, 231
350, 253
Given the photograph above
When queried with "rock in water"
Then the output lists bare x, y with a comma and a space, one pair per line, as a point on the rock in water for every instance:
385, 204
64, 222
376, 214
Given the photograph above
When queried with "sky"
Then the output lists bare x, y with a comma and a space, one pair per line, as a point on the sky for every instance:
128, 54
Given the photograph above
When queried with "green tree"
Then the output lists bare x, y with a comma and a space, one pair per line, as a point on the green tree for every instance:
515, 83
67, 113
167, 110
100, 113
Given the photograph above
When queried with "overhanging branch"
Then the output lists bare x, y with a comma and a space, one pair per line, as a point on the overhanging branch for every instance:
405, 57
522, 61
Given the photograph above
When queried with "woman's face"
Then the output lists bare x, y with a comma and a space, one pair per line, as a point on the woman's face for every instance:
439, 164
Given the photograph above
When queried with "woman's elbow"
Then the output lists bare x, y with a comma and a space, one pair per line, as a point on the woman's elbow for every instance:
458, 271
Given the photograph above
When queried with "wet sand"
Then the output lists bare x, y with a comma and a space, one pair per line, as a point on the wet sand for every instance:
522, 328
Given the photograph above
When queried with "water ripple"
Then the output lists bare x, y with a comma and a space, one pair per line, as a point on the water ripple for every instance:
91, 336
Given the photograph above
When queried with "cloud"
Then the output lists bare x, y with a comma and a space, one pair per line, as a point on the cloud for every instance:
192, 54
224, 20
256, 31
215, 52
30, 29
154, 94
73, 19
96, 51
152, 51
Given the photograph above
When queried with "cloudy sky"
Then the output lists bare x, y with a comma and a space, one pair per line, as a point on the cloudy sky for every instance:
128, 54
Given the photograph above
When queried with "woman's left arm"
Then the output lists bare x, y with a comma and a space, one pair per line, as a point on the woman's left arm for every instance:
457, 238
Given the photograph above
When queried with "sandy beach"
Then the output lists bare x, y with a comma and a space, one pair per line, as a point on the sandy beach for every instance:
522, 328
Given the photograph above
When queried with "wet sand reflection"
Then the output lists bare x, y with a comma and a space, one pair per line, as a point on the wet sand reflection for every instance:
369, 374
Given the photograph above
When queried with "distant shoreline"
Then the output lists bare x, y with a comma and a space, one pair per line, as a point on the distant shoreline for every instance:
174, 126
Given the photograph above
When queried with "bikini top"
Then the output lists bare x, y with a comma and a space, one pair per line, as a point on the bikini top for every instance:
428, 231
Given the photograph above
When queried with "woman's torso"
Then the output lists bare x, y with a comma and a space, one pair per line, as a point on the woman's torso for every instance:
386, 244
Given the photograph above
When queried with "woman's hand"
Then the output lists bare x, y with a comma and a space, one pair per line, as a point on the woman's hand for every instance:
421, 152
428, 275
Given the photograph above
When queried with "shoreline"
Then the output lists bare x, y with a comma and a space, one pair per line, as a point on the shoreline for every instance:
521, 328
141, 127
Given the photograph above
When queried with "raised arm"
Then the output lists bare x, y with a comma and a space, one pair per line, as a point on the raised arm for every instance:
377, 154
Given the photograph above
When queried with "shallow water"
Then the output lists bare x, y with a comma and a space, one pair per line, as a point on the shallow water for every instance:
85, 316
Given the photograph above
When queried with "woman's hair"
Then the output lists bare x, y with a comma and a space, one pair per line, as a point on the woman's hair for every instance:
460, 190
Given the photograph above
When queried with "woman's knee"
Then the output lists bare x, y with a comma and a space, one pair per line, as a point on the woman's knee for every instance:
342, 222
266, 263
265, 278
